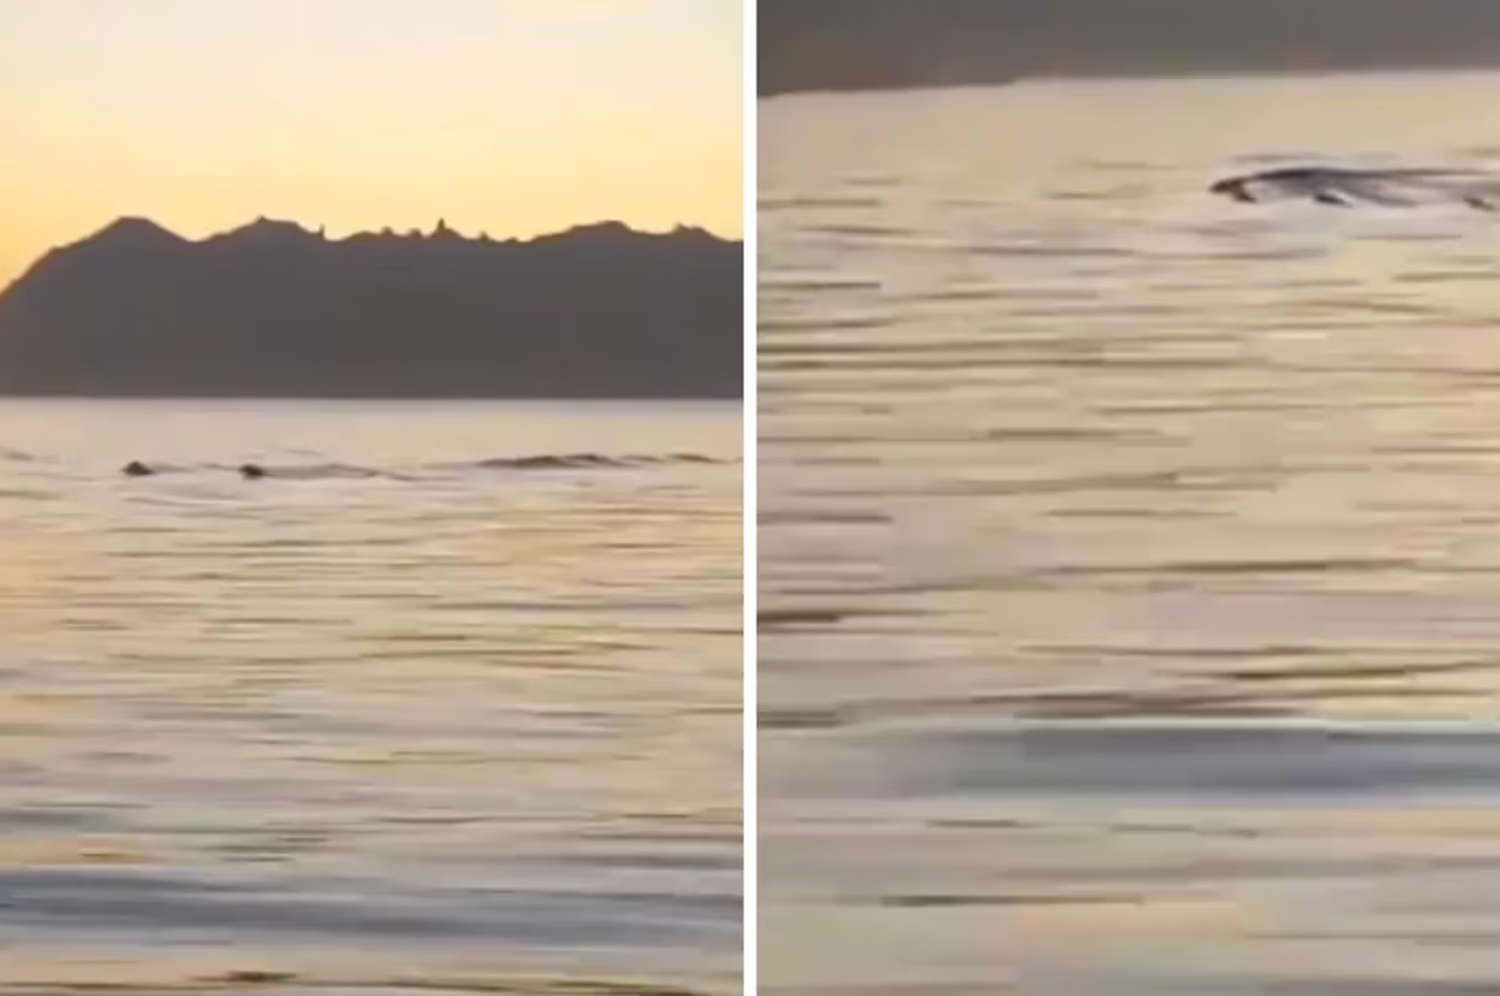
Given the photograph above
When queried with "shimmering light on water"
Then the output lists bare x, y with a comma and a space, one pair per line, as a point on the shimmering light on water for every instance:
1129, 556
406, 715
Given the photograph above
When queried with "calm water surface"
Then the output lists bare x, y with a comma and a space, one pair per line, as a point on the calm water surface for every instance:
1130, 558
415, 713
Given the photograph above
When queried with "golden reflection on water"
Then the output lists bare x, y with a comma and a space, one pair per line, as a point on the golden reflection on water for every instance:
1128, 557
487, 712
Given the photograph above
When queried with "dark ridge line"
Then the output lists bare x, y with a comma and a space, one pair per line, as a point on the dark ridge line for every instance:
265, 226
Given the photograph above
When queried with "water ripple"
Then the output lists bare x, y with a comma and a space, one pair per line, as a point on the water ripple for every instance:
1089, 503
470, 720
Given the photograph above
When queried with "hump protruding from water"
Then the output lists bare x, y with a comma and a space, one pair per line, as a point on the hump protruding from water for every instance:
252, 471
1349, 187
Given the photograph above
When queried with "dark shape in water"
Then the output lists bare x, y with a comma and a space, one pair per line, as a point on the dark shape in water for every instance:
1349, 187
251, 977
136, 469
793, 617
251, 471
564, 461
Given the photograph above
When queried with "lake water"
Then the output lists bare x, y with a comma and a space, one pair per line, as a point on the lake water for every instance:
417, 712
1130, 558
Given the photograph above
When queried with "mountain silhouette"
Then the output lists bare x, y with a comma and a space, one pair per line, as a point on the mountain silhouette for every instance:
879, 44
274, 310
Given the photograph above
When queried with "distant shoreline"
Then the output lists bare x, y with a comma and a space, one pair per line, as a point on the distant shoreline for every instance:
1124, 77
854, 45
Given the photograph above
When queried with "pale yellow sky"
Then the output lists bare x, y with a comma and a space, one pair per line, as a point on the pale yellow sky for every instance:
509, 116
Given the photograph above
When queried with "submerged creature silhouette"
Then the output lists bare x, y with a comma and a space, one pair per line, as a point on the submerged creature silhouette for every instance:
1349, 187
251, 471
136, 469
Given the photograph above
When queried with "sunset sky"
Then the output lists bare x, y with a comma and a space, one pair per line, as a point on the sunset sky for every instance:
509, 116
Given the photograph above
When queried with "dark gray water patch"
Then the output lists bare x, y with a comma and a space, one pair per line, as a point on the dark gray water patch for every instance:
80, 902
1122, 704
1204, 704
1247, 565
1114, 361
1263, 862
1459, 375
1365, 305
868, 360
56, 817
841, 352
1040, 250
1469, 938
1399, 237
1429, 277
810, 437
1111, 704
1108, 827
810, 283
1153, 481
1430, 449
858, 230
873, 353
1065, 434
1310, 657
777, 203
682, 860
828, 323
1159, 509
1010, 293
951, 900
805, 517
1154, 407
1193, 761
940, 349
1277, 254
961, 295
965, 204
1281, 983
